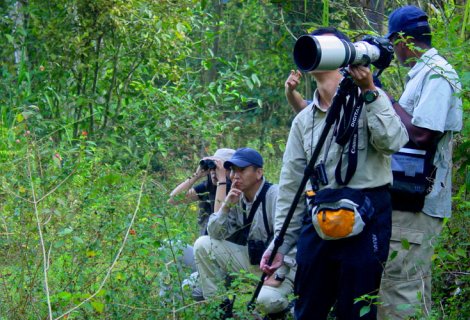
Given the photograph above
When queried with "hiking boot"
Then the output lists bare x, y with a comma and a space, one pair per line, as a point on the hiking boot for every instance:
197, 294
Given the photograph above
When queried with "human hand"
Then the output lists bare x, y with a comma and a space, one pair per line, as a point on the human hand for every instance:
233, 196
293, 80
362, 76
200, 171
220, 171
278, 261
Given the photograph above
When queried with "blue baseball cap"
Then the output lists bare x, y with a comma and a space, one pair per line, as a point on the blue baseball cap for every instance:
406, 18
243, 158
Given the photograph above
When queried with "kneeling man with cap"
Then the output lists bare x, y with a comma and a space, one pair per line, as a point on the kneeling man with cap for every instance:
239, 233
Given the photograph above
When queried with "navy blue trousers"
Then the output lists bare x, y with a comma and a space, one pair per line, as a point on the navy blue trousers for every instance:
336, 272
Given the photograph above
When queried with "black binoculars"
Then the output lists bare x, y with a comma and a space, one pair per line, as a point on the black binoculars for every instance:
207, 164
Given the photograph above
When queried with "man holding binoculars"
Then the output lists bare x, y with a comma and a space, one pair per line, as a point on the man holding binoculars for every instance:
210, 193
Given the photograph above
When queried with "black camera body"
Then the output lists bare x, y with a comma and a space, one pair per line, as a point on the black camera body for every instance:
207, 164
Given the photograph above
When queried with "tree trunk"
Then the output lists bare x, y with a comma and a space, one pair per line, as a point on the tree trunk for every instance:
372, 18
211, 75
19, 18
95, 82
111, 86
374, 10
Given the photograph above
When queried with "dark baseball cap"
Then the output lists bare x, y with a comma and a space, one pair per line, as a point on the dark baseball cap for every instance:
406, 18
243, 158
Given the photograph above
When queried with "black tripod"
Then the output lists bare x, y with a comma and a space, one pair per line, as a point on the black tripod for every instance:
346, 86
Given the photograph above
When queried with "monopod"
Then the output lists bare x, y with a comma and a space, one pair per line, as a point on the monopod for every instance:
345, 88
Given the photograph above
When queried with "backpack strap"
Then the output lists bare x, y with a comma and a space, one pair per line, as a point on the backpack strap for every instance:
265, 215
240, 237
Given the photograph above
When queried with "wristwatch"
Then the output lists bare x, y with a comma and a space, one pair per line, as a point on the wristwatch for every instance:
370, 96
279, 278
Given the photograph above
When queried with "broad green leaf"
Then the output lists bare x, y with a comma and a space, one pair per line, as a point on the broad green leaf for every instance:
461, 252
255, 79
249, 83
101, 293
65, 231
78, 240
59, 244
146, 158
64, 295
119, 276
98, 306
91, 253
10, 38
364, 310
405, 244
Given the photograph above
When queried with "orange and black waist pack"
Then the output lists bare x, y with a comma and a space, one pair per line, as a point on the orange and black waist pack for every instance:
339, 213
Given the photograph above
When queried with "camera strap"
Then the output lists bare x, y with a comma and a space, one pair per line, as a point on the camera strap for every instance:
347, 133
269, 232
260, 199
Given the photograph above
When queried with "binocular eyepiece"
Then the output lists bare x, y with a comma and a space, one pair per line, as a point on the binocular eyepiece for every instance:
207, 164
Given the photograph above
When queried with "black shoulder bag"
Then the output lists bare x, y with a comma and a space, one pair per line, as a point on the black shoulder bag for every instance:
413, 176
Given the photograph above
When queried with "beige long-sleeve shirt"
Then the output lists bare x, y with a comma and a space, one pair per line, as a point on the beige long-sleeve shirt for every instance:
381, 133
221, 225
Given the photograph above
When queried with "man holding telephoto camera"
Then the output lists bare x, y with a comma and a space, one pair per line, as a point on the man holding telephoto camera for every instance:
239, 233
336, 268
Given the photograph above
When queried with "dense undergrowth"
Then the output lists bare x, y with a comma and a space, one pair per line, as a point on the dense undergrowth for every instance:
112, 104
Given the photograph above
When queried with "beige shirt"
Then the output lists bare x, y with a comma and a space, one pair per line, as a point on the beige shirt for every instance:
381, 133
221, 225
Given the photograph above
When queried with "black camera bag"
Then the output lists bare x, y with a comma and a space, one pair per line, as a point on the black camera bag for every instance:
413, 176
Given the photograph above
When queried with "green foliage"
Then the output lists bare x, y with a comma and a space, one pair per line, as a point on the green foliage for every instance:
106, 105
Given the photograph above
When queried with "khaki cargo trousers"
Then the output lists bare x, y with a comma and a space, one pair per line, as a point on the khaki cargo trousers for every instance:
215, 259
406, 282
